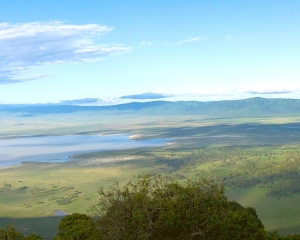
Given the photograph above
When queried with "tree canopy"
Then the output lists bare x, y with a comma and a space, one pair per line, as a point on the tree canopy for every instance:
156, 208
76, 227
11, 233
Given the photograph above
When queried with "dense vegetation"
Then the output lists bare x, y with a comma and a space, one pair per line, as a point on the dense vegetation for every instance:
10, 233
273, 168
155, 208
254, 158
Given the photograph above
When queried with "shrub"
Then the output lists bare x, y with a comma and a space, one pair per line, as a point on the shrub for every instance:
76, 227
156, 208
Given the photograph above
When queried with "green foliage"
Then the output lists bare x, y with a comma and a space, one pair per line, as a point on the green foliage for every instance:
68, 199
290, 237
154, 208
76, 227
33, 236
273, 168
10, 233
280, 178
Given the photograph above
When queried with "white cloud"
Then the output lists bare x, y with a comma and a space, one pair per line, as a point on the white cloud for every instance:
190, 39
268, 89
83, 101
25, 46
194, 39
145, 43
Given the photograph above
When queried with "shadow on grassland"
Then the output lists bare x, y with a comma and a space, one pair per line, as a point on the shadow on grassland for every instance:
289, 230
235, 134
219, 129
46, 227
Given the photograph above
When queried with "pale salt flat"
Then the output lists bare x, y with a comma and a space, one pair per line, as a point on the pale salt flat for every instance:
59, 148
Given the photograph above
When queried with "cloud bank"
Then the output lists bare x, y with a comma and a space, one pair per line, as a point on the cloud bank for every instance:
190, 39
80, 101
26, 46
261, 89
146, 43
146, 96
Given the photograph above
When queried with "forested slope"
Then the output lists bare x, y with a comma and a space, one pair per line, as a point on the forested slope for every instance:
252, 107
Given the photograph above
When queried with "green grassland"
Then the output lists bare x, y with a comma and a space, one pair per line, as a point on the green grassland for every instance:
256, 159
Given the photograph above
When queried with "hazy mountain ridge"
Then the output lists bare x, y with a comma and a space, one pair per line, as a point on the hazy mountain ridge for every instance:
252, 107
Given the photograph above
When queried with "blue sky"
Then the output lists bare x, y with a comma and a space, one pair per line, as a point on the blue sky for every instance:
107, 50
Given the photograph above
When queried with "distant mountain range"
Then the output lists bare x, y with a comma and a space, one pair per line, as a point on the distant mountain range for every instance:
252, 107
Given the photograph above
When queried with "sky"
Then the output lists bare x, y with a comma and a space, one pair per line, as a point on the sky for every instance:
114, 51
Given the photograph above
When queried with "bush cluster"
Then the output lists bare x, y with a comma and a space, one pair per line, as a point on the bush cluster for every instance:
154, 208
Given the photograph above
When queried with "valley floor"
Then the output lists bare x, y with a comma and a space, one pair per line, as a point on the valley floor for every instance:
257, 161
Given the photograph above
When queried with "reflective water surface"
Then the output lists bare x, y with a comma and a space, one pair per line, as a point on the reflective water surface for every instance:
59, 148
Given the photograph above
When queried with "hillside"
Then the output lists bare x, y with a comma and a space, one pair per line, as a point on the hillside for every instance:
252, 107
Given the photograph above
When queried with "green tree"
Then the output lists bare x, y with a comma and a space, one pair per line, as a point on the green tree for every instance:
33, 236
290, 237
155, 208
11, 233
76, 227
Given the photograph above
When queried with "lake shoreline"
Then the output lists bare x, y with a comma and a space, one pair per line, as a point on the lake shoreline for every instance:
56, 149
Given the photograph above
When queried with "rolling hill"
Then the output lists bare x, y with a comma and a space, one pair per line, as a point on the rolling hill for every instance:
252, 107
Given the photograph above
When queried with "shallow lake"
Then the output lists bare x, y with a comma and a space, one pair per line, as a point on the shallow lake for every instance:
59, 148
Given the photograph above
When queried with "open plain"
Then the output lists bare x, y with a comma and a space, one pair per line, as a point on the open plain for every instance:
255, 158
